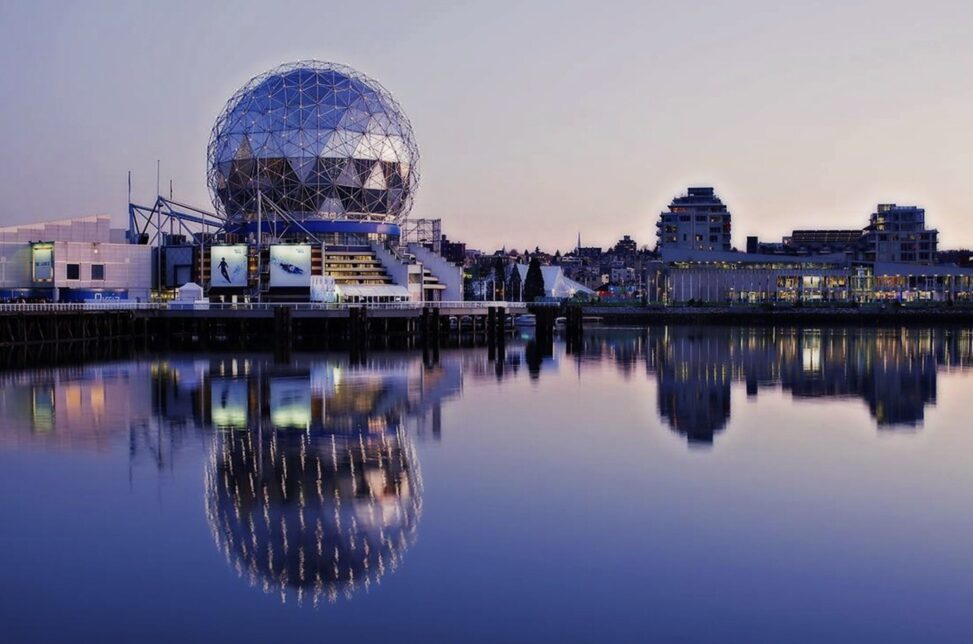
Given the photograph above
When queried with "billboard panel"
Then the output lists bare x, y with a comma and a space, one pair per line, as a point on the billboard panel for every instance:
43, 262
290, 265
228, 266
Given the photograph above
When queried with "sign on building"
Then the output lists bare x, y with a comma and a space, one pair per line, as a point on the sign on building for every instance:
42, 255
290, 265
228, 266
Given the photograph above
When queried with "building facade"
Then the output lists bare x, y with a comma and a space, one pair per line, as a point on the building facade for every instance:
698, 220
899, 234
73, 260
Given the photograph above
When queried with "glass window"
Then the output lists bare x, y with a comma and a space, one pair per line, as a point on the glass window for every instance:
74, 271
98, 272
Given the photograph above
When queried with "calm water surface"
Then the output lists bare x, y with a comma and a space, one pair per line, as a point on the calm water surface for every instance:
670, 484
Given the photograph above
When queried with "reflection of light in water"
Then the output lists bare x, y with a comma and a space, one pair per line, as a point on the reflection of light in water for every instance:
811, 353
229, 403
316, 515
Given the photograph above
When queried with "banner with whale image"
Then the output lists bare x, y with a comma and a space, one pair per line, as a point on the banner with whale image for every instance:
290, 265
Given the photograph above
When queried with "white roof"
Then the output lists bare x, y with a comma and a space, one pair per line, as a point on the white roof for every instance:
190, 291
555, 282
372, 290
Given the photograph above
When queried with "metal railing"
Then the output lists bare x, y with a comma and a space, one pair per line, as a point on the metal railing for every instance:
175, 305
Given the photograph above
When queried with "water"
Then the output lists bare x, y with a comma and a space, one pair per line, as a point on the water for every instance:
672, 484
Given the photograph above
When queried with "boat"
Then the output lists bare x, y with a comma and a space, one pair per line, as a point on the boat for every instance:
560, 322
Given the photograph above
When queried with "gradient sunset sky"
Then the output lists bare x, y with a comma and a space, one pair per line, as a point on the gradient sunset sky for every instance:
535, 120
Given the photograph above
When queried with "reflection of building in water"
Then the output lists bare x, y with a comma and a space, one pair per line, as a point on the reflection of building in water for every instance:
313, 487
73, 407
310, 512
893, 370
694, 382
327, 394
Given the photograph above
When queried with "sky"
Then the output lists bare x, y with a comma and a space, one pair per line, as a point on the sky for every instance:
536, 121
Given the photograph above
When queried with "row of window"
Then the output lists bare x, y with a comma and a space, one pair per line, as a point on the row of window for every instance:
97, 272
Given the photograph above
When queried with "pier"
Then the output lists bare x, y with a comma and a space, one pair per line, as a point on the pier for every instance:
83, 329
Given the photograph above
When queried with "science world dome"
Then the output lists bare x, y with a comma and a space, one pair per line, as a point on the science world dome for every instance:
319, 141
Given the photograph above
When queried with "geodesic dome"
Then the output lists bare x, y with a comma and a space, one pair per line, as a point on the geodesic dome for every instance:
318, 140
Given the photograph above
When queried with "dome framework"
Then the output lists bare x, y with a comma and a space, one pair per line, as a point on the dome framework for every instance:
319, 141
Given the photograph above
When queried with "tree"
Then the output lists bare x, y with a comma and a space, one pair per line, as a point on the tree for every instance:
534, 282
499, 278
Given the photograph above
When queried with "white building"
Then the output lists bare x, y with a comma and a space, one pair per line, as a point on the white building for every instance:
73, 260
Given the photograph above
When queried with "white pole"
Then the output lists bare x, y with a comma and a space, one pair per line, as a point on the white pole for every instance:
260, 222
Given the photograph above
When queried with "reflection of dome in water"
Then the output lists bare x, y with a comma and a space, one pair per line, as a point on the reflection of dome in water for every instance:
317, 515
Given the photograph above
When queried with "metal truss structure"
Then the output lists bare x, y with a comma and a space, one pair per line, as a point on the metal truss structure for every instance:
158, 224
150, 225
428, 232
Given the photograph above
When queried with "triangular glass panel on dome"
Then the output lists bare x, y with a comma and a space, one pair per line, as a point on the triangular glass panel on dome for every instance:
364, 169
349, 176
270, 148
370, 147
343, 95
258, 142
392, 177
302, 166
342, 144
376, 179
374, 103
331, 168
359, 104
331, 206
317, 142
354, 120
243, 151
328, 116
379, 123
375, 201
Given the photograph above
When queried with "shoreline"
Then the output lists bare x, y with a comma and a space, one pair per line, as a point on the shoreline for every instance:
755, 315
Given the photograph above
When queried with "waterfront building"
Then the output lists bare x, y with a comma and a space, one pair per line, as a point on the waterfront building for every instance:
72, 260
681, 276
899, 234
731, 276
698, 220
